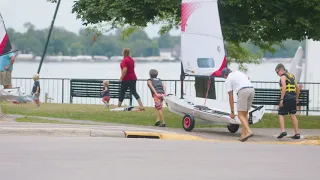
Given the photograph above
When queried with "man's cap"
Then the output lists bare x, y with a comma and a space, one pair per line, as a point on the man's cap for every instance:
225, 71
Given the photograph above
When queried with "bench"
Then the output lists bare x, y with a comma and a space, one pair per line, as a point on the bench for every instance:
272, 97
92, 88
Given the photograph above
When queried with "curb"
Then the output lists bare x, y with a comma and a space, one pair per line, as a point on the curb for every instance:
308, 140
94, 133
303, 142
165, 136
312, 137
60, 132
171, 136
141, 134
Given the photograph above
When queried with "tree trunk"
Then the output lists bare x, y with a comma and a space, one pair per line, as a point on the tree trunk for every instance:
201, 84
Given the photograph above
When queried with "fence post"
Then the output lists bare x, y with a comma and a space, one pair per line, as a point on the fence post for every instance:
62, 91
175, 87
45, 97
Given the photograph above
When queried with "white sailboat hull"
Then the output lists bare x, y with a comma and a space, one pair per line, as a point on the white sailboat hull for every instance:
6, 94
218, 111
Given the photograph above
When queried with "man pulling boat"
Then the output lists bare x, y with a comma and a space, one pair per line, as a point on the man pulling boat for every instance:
239, 82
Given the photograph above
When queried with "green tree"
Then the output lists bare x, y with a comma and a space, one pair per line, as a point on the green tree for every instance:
69, 43
165, 41
263, 23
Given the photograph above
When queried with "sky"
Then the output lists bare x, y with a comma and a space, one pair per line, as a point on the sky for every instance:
40, 13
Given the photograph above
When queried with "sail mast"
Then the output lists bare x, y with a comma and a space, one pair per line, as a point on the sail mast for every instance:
48, 38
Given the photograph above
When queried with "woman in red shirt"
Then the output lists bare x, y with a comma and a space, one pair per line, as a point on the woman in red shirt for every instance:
128, 78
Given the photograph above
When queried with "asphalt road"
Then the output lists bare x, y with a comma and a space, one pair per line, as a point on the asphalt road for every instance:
77, 158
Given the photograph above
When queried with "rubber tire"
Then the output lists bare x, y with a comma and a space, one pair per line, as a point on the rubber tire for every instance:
191, 122
233, 128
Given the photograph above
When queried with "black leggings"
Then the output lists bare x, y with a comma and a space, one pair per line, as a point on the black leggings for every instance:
131, 84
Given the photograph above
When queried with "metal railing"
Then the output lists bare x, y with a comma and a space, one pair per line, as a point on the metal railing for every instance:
57, 90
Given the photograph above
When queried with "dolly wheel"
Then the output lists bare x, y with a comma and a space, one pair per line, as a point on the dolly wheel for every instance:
188, 122
233, 128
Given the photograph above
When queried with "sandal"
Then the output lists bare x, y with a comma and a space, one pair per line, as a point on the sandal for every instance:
296, 136
283, 134
246, 137
157, 123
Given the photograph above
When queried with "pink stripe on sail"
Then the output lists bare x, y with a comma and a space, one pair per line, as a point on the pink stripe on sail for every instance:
3, 43
218, 73
186, 10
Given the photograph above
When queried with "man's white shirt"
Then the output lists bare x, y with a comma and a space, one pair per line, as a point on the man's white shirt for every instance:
237, 80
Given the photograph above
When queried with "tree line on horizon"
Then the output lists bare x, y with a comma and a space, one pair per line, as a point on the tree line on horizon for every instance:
64, 42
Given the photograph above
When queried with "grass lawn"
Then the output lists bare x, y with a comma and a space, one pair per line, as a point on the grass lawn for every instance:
100, 114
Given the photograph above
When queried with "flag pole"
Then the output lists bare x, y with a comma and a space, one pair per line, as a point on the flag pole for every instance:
48, 38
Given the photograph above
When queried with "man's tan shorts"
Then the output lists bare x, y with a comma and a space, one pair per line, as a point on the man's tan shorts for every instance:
245, 98
5, 78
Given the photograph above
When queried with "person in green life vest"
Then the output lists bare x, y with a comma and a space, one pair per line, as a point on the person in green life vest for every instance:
288, 100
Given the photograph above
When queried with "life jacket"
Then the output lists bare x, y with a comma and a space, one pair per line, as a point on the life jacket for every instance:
157, 84
290, 82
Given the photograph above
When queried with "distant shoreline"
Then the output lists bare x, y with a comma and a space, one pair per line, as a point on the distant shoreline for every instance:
138, 60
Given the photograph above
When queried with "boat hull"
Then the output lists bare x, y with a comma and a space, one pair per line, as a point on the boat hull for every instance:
213, 111
6, 94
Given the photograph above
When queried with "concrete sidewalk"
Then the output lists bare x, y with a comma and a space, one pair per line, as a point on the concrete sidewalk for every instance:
8, 126
102, 129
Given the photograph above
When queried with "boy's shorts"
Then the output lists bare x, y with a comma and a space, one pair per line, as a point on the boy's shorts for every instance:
158, 101
35, 97
106, 98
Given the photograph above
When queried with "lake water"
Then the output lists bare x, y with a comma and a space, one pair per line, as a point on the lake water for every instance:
111, 70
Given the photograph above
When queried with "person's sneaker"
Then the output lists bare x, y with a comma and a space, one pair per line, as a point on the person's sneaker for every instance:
157, 123
296, 136
162, 125
283, 134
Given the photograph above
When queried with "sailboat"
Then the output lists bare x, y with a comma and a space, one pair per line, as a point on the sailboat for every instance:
311, 74
203, 54
6, 48
296, 64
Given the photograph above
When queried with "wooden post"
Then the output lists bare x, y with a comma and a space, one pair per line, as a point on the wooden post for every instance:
201, 84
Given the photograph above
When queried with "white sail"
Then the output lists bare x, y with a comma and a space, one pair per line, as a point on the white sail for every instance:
312, 73
202, 47
312, 61
296, 64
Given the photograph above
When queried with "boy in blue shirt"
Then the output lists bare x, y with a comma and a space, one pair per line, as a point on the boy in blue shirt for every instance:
36, 90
